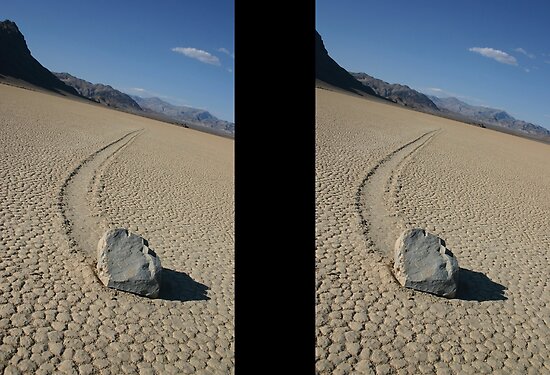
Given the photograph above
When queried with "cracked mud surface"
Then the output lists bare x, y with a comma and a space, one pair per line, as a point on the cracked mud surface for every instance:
174, 186
82, 221
485, 193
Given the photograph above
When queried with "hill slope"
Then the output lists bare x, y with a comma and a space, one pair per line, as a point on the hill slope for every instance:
16, 62
328, 71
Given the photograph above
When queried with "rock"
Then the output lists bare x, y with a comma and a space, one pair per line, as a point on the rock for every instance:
422, 262
125, 262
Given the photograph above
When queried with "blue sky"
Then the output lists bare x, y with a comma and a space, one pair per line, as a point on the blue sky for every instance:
180, 51
491, 53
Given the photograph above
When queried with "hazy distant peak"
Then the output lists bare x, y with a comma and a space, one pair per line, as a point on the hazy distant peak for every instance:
184, 113
487, 115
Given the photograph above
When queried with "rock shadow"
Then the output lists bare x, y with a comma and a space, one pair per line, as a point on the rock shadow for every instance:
179, 286
476, 286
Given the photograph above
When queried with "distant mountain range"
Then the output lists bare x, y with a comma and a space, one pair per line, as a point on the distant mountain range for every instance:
400, 94
18, 67
184, 114
327, 71
488, 116
111, 97
100, 93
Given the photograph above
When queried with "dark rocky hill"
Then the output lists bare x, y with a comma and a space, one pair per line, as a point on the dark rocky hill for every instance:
327, 70
16, 62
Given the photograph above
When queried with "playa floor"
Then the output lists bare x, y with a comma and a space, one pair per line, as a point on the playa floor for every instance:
70, 170
381, 168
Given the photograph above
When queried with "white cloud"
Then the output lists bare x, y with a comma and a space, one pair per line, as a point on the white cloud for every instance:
521, 50
138, 91
144, 93
527, 70
230, 70
498, 55
226, 51
198, 54
444, 94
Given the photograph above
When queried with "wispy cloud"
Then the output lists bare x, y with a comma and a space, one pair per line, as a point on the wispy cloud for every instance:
444, 93
547, 116
521, 50
198, 54
547, 61
230, 70
226, 51
527, 70
495, 54
144, 93
139, 91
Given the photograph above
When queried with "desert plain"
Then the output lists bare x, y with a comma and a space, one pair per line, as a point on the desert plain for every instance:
70, 170
381, 168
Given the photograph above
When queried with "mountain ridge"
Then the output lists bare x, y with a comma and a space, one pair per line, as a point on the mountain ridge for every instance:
19, 68
184, 113
98, 92
328, 71
397, 93
488, 116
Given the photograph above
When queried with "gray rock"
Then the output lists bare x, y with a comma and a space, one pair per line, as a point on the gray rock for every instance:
422, 262
125, 262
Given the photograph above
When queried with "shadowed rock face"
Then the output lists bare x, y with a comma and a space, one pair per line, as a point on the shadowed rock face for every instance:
125, 262
17, 62
422, 262
328, 70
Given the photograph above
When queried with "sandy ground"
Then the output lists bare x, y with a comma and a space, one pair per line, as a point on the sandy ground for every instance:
70, 170
380, 169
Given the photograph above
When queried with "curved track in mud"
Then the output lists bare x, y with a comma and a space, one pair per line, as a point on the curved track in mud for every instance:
380, 225
83, 224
